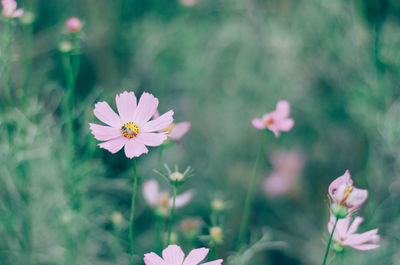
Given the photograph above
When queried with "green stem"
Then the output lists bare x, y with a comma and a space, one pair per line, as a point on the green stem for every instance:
131, 226
7, 39
332, 259
329, 242
250, 193
76, 58
172, 215
28, 34
158, 231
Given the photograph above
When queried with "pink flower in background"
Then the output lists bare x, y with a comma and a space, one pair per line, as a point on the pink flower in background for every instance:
344, 193
9, 9
189, 3
287, 169
73, 25
277, 120
131, 128
155, 198
173, 255
176, 130
345, 234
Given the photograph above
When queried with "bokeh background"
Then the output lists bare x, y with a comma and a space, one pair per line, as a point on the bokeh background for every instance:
217, 64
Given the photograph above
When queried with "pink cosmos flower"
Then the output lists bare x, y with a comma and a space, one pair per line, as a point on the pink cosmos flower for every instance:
155, 198
176, 130
73, 25
173, 255
345, 234
131, 128
277, 120
287, 169
9, 9
344, 193
189, 3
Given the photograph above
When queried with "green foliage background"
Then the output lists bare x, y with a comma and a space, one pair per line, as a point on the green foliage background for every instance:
217, 64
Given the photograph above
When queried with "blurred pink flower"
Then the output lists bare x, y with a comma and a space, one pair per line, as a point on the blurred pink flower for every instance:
189, 3
131, 128
73, 25
345, 234
155, 198
9, 9
287, 169
344, 193
176, 130
277, 120
173, 255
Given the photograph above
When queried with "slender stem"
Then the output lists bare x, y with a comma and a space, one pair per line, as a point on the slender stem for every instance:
7, 40
76, 55
28, 49
332, 259
250, 193
158, 231
131, 226
329, 242
172, 215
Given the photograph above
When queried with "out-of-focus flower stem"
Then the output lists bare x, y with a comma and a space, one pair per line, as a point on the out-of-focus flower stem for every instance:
131, 219
75, 56
158, 231
6, 75
332, 259
329, 242
28, 47
250, 193
172, 215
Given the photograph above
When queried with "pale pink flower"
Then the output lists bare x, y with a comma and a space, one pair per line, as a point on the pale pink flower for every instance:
176, 130
156, 198
131, 128
189, 3
344, 193
345, 234
9, 9
287, 169
73, 25
173, 255
277, 120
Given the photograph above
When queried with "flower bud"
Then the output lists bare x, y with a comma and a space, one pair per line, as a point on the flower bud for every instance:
216, 234
65, 47
73, 25
337, 247
66, 218
27, 18
217, 205
176, 176
340, 211
117, 219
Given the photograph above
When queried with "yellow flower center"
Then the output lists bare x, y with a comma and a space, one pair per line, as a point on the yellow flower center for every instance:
347, 192
169, 128
129, 130
269, 122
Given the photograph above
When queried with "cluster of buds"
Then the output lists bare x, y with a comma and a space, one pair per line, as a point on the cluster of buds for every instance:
347, 198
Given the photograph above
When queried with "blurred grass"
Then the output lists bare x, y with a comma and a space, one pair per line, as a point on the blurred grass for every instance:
218, 64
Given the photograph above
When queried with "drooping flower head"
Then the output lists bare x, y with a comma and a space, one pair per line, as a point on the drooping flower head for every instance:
73, 25
9, 9
287, 169
343, 193
173, 255
345, 234
176, 130
276, 121
132, 128
162, 200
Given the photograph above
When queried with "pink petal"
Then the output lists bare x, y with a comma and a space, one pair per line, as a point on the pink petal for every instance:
173, 255
195, 256
18, 13
356, 198
282, 109
126, 105
159, 123
358, 239
114, 145
151, 139
179, 130
273, 128
365, 246
345, 178
146, 108
134, 148
354, 225
151, 192
258, 124
156, 114
277, 184
104, 133
182, 200
214, 262
285, 125
153, 259
104, 112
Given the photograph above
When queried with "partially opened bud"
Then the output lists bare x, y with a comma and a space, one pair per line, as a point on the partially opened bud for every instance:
73, 25
216, 234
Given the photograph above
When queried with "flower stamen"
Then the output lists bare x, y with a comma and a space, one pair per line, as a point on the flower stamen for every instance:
347, 192
269, 122
169, 128
130, 130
